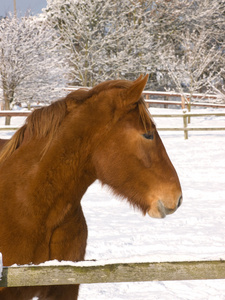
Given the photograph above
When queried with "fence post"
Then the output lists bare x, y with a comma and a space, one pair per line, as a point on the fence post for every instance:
185, 121
147, 97
167, 99
182, 102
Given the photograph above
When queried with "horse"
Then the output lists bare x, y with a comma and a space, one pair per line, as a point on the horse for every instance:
104, 133
2, 143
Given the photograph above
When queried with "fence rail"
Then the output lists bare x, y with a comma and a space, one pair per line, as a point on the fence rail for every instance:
14, 113
185, 115
184, 99
183, 105
118, 272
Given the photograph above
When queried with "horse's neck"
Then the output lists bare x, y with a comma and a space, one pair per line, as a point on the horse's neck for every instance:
68, 169
62, 177
2, 143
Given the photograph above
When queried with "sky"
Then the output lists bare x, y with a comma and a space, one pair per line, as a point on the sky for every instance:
22, 6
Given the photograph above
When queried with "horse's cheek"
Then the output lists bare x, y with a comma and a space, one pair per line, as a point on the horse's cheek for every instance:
144, 156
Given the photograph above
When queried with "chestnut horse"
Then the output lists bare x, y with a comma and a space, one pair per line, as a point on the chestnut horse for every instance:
2, 143
104, 133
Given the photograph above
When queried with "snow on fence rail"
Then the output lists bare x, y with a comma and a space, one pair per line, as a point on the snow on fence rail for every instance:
95, 272
185, 115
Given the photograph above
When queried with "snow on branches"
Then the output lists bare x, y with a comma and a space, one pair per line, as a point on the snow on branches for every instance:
30, 61
180, 44
106, 39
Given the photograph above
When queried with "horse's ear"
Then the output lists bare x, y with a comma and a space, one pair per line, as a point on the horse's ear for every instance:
139, 78
134, 92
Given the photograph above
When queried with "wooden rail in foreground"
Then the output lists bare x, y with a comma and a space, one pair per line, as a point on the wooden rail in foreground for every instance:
117, 272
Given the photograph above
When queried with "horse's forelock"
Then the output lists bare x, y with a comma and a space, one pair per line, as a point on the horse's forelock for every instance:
82, 94
145, 115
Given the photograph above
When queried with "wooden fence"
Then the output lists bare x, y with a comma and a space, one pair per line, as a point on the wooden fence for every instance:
186, 127
185, 99
185, 115
95, 272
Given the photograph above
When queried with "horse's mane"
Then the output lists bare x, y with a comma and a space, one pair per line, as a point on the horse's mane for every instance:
44, 122
40, 123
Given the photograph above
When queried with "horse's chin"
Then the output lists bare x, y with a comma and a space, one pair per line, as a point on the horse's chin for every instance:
159, 211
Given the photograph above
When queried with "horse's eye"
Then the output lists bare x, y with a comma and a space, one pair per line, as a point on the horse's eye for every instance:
148, 136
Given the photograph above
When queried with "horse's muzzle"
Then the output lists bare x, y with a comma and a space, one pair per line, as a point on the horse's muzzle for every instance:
160, 211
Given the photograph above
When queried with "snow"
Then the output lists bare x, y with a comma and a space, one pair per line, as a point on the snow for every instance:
195, 232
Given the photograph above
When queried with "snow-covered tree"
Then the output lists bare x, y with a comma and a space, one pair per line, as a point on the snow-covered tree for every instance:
106, 39
30, 61
193, 48
195, 68
111, 39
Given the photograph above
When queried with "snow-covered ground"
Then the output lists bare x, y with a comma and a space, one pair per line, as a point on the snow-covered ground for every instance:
195, 231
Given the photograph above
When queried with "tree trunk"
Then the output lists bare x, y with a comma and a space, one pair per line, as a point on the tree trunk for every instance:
7, 107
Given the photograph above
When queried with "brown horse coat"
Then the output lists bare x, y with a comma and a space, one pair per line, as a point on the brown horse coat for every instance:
105, 133
2, 143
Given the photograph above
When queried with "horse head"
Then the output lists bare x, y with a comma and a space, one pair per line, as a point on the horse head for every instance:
127, 152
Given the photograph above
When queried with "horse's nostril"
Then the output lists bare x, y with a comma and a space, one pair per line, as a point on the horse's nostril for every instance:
179, 201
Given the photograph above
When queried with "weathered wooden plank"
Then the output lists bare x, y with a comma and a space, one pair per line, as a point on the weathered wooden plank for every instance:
9, 127
158, 128
161, 93
11, 113
179, 103
205, 128
187, 114
14, 113
119, 272
157, 115
184, 115
187, 95
191, 129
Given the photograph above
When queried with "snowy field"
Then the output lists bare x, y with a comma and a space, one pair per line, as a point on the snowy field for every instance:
195, 231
